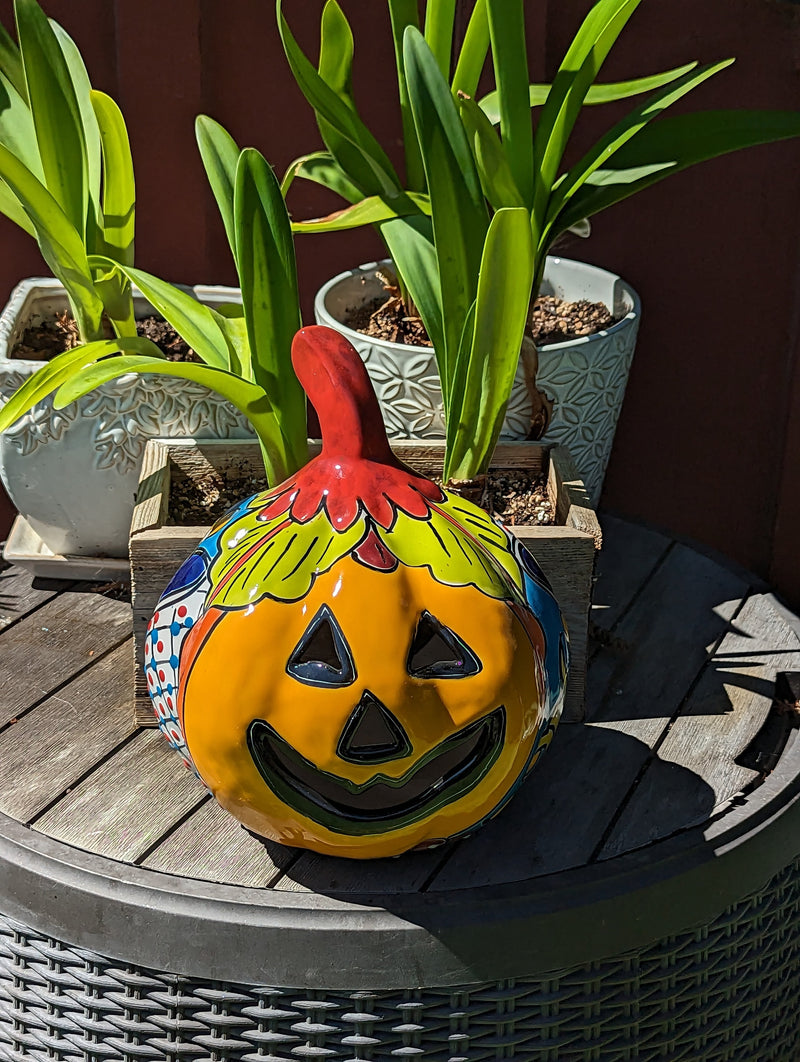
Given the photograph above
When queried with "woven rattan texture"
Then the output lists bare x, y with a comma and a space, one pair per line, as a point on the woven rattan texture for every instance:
727, 991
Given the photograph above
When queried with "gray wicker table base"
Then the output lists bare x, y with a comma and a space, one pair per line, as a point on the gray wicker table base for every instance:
726, 992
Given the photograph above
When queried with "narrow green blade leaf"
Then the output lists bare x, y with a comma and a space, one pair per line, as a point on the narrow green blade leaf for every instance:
404, 13
56, 114
220, 153
11, 207
248, 398
60, 243
336, 52
626, 130
369, 166
440, 18
507, 31
473, 53
82, 87
370, 211
491, 160
501, 311
322, 168
17, 130
193, 321
580, 67
61, 368
232, 324
11, 64
597, 94
458, 208
119, 189
268, 278
410, 243
671, 145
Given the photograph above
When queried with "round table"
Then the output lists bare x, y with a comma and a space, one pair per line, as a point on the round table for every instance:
640, 897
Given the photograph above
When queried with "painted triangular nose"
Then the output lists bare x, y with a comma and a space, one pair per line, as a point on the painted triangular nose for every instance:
372, 734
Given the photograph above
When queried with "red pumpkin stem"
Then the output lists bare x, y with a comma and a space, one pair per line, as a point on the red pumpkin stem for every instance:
338, 387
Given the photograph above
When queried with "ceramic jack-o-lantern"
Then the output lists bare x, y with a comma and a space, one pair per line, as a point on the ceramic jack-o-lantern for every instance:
356, 661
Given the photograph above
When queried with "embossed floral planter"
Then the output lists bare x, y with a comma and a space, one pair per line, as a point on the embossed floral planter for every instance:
73, 473
586, 377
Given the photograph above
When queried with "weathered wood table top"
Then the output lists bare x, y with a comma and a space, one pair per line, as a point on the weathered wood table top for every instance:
681, 723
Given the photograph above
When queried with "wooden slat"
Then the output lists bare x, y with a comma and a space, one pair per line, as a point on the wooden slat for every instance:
669, 631
213, 846
55, 643
128, 803
696, 770
18, 595
565, 808
628, 557
559, 816
48, 749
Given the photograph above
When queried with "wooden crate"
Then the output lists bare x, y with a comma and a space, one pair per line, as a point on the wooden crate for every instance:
565, 551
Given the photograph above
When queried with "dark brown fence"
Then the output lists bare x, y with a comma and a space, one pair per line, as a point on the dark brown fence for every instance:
709, 440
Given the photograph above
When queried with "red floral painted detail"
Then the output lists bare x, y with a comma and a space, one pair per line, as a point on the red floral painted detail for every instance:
372, 553
356, 473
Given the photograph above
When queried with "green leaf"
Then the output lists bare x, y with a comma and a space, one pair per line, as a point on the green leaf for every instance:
458, 208
404, 13
220, 153
82, 88
597, 94
231, 320
507, 32
336, 52
11, 64
410, 244
60, 243
17, 131
370, 211
268, 278
119, 189
369, 166
578, 70
624, 131
193, 321
61, 369
322, 168
248, 398
473, 52
440, 18
501, 311
56, 114
671, 145
491, 160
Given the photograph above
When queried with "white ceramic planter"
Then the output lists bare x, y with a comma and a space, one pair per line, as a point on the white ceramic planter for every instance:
73, 473
586, 377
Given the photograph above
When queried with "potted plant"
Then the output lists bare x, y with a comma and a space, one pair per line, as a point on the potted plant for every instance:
515, 168
68, 180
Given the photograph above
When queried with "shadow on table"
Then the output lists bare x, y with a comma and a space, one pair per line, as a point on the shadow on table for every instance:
578, 806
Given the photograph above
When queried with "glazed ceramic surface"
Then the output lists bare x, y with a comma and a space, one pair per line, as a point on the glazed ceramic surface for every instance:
357, 661
585, 377
73, 472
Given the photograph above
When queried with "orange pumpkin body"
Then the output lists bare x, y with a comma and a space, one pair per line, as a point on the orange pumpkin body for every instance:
355, 661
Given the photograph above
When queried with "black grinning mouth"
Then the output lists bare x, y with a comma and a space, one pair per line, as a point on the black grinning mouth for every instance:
446, 773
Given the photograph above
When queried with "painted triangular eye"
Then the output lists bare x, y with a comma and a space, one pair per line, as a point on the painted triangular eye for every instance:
438, 652
322, 656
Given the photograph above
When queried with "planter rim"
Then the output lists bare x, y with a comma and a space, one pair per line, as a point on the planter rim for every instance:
51, 286
369, 267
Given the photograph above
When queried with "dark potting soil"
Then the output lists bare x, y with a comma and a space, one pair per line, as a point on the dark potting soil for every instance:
515, 495
553, 320
44, 341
